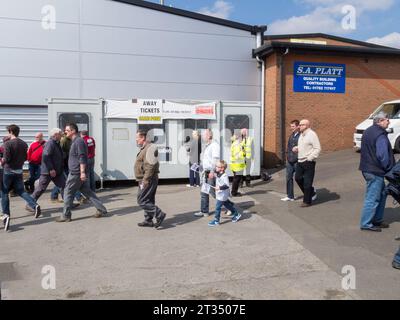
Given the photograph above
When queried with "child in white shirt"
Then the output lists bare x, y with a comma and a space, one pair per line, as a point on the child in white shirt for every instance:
222, 195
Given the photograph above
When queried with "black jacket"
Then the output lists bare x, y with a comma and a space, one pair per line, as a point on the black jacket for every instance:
293, 141
52, 158
369, 162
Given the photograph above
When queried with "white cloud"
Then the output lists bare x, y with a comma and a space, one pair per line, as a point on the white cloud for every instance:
326, 16
220, 9
390, 40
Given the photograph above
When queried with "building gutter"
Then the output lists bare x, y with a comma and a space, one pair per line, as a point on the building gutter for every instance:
282, 109
259, 43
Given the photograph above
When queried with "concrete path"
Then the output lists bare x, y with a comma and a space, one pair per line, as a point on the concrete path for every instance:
112, 258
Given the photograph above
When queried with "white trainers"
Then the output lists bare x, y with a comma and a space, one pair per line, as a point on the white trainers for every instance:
314, 197
287, 199
6, 221
188, 185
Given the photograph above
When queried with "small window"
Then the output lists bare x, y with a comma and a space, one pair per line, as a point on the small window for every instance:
120, 134
234, 123
155, 132
195, 124
80, 119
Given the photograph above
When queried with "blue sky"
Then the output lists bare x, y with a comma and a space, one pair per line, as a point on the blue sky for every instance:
375, 20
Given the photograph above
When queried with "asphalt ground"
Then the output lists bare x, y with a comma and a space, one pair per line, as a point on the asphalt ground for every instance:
276, 251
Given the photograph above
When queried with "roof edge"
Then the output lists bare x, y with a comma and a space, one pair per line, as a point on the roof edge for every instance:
324, 35
273, 46
194, 15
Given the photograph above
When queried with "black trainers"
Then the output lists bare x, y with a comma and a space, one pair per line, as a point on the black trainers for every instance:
146, 224
157, 225
373, 228
38, 212
396, 265
99, 214
62, 219
382, 225
6, 221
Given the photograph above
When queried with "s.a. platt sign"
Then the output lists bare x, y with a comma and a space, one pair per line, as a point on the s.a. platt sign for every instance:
319, 77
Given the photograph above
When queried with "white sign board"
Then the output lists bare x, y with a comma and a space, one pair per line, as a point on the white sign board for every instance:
154, 111
149, 111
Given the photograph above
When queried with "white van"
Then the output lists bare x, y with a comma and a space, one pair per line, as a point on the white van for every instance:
392, 108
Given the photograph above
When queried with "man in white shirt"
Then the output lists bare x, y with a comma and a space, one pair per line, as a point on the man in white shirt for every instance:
209, 159
308, 149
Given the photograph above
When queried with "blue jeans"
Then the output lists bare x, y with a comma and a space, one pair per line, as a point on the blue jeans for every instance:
374, 201
205, 198
34, 174
194, 177
290, 171
397, 256
12, 180
90, 169
227, 204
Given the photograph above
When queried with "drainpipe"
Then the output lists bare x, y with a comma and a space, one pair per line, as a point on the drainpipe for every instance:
282, 109
260, 40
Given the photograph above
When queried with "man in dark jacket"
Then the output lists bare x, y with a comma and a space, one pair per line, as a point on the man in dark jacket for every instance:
291, 159
146, 173
15, 151
376, 160
52, 168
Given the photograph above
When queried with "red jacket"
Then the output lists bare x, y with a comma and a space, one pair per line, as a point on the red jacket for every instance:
91, 144
35, 152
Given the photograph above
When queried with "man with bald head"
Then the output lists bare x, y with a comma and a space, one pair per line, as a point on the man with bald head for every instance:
308, 150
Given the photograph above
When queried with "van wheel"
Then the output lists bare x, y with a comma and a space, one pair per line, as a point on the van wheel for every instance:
397, 145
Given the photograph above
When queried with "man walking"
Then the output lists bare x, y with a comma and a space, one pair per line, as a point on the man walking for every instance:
15, 152
77, 177
35, 153
146, 172
291, 159
210, 157
308, 149
52, 164
376, 160
91, 144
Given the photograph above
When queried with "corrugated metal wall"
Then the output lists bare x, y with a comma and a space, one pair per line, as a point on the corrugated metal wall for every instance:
30, 120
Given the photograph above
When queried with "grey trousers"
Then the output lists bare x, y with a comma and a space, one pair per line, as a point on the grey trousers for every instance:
73, 185
146, 199
44, 181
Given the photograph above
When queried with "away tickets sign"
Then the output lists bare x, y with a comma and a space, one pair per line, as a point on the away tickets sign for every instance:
150, 111
154, 111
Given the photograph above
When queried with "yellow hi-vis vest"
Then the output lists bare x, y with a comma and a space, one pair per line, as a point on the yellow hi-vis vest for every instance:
246, 145
237, 162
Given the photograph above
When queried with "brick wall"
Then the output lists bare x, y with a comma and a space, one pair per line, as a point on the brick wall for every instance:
369, 82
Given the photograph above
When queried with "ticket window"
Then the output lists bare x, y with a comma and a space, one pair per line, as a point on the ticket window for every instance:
234, 123
80, 119
191, 124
